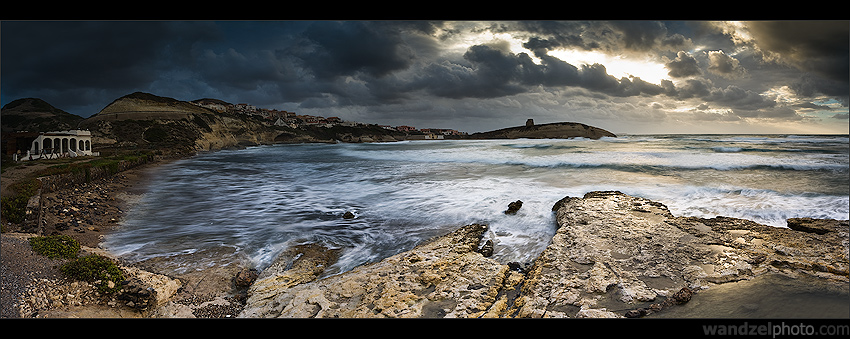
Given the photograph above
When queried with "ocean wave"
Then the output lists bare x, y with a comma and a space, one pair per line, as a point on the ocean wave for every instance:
725, 160
404, 193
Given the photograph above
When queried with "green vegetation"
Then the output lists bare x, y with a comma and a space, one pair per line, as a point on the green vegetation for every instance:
14, 207
101, 271
55, 246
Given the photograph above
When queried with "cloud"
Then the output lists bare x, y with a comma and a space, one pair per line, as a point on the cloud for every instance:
724, 65
817, 48
73, 62
437, 71
683, 66
334, 49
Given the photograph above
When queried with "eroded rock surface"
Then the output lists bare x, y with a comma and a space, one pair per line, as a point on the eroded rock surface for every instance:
613, 255
445, 277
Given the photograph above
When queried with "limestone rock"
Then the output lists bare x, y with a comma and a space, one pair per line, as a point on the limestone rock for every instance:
818, 226
613, 255
445, 277
617, 252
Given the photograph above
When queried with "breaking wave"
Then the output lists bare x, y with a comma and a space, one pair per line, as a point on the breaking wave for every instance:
261, 200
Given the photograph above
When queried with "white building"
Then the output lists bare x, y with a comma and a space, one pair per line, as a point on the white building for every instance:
49, 145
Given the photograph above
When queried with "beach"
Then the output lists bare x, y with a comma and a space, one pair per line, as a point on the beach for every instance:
88, 212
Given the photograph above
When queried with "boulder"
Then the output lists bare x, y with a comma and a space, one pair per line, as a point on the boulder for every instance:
514, 207
245, 278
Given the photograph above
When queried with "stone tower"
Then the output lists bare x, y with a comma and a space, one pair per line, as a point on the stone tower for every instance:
529, 122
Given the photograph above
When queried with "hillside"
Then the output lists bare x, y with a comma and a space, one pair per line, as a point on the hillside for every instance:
140, 121
145, 106
558, 130
32, 114
147, 121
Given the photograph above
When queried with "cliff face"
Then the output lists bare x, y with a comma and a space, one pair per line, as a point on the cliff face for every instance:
559, 130
613, 255
142, 120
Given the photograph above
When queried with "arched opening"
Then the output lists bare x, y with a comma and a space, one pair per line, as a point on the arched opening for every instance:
82, 146
64, 145
48, 144
88, 145
35, 148
72, 144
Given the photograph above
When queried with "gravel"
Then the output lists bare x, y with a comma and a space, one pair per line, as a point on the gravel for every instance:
20, 267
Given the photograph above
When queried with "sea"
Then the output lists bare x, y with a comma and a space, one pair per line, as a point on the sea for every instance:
251, 204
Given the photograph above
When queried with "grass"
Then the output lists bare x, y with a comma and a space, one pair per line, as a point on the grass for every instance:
13, 207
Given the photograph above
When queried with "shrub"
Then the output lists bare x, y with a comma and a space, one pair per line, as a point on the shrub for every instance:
14, 207
55, 246
96, 269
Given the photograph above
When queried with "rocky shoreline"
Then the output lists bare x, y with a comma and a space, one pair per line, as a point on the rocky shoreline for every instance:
613, 256
33, 287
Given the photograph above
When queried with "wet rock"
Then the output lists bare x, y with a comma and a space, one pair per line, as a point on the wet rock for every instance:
611, 253
487, 248
817, 226
245, 278
445, 277
514, 207
614, 251
348, 215
518, 267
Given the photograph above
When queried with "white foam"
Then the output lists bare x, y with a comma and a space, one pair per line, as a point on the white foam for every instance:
266, 198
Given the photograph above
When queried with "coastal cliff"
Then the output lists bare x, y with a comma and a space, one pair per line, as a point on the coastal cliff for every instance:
613, 255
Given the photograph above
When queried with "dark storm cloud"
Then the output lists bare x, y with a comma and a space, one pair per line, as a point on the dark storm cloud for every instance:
683, 65
620, 36
428, 69
492, 73
77, 61
810, 46
344, 48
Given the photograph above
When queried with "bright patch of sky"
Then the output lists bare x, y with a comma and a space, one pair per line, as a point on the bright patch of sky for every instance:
616, 65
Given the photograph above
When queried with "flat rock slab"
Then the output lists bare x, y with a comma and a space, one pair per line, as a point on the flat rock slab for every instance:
613, 255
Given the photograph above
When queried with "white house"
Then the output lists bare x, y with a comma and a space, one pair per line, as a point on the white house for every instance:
49, 145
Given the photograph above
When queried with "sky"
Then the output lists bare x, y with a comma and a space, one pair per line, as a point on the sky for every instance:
628, 77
